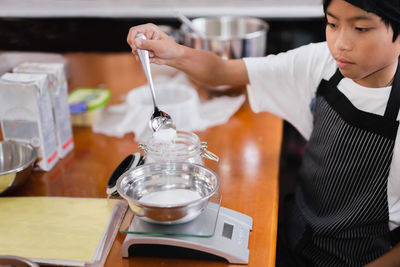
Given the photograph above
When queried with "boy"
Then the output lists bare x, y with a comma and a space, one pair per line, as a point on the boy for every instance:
343, 95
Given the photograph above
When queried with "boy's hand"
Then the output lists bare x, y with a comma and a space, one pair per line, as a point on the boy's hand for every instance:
203, 66
162, 49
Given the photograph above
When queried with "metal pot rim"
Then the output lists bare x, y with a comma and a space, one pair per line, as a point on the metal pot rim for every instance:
251, 35
26, 164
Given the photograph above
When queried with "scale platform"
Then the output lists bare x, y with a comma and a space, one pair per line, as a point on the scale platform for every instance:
217, 231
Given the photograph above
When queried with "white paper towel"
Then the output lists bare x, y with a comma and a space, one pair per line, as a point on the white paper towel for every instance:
174, 95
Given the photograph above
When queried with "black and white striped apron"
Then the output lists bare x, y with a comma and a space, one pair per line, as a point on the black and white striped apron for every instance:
341, 193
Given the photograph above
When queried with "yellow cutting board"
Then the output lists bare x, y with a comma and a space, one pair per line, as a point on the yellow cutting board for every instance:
53, 228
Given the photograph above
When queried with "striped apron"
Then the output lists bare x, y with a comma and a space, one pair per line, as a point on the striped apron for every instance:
340, 203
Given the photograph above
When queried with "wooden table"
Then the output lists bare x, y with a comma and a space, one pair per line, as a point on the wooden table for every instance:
248, 146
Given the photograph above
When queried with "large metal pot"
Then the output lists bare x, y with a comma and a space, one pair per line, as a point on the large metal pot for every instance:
229, 37
159, 177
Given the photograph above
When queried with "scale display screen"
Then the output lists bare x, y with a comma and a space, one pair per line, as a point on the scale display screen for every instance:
227, 230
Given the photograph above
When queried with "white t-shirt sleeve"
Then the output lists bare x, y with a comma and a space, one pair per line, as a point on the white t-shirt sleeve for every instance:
285, 84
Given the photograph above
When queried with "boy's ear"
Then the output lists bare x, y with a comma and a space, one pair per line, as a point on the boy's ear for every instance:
397, 42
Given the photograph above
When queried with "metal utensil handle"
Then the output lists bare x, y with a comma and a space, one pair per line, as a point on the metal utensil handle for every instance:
189, 24
207, 154
144, 59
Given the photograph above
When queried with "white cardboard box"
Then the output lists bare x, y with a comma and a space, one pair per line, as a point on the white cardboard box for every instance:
58, 90
26, 115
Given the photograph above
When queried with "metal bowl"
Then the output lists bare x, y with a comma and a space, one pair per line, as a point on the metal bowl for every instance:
16, 162
158, 177
229, 37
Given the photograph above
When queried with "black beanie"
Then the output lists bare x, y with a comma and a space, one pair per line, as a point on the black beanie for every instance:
386, 9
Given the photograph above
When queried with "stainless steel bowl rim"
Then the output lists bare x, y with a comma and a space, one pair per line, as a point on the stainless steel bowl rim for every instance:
246, 36
20, 168
176, 206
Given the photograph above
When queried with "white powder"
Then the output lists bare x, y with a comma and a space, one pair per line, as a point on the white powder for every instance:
167, 135
163, 142
170, 197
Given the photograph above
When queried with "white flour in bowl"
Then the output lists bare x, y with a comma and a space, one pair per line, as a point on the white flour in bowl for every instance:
170, 197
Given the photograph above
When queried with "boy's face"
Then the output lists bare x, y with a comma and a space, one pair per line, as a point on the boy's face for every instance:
361, 44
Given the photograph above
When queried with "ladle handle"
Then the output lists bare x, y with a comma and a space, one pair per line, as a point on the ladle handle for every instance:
144, 59
185, 20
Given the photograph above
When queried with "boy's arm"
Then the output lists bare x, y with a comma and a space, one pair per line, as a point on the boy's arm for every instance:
209, 68
389, 259
203, 66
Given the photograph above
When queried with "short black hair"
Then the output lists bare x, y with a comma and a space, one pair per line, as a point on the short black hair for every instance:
366, 6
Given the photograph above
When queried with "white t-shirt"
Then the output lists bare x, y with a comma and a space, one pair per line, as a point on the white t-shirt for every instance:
285, 85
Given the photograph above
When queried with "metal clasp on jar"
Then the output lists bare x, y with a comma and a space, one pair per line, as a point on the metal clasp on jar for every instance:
142, 147
207, 154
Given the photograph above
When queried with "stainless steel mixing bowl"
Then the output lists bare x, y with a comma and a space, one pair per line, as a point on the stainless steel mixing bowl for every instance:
16, 162
161, 176
229, 37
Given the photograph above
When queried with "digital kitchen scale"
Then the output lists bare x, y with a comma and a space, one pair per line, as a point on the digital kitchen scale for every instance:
217, 231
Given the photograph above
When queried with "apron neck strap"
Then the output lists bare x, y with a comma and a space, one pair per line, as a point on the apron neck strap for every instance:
393, 105
336, 78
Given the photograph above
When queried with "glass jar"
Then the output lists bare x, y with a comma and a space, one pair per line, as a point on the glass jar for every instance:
185, 148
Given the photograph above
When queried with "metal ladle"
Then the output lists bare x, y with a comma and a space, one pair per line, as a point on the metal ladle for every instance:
185, 20
159, 119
